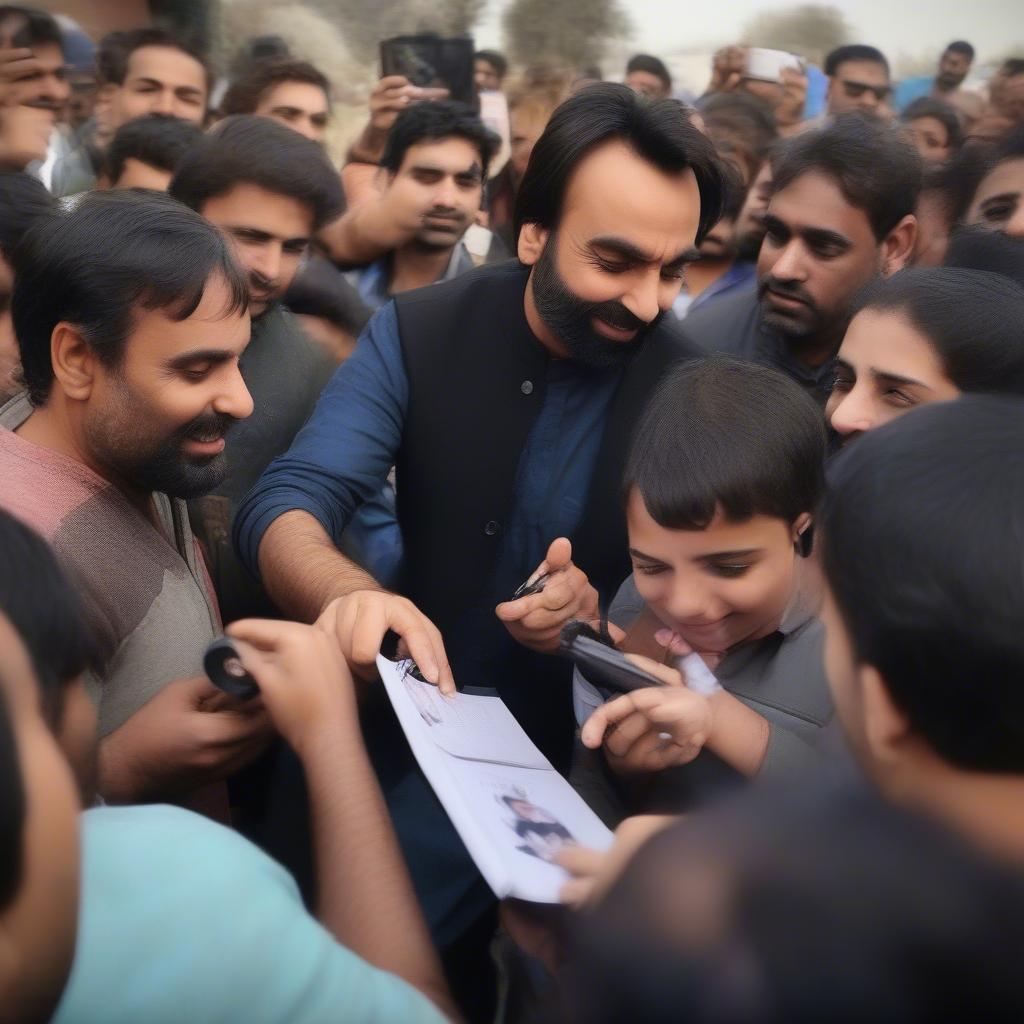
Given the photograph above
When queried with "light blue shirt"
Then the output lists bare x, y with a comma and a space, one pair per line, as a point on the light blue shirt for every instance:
182, 919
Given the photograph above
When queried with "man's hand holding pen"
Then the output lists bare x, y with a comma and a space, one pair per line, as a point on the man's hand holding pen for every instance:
536, 618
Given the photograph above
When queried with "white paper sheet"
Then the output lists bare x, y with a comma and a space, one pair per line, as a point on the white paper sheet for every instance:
511, 808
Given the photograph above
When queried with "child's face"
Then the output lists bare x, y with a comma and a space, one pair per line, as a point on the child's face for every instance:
718, 587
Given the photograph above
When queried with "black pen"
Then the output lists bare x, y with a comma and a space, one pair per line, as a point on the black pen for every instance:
531, 586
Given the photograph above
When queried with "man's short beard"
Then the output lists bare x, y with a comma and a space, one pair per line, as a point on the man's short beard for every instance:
568, 317
171, 471
165, 466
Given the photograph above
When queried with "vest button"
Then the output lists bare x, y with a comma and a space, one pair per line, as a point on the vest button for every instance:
493, 528
526, 387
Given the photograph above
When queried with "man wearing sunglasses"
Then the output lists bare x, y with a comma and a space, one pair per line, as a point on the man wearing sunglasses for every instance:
858, 79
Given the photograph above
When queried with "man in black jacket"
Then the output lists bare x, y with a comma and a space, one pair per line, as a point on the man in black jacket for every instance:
506, 399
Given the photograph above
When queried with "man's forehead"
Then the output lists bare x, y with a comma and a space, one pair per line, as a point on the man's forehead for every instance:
168, 64
253, 208
614, 191
862, 71
304, 94
453, 153
815, 201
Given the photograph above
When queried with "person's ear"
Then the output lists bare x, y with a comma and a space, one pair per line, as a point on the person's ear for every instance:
886, 727
73, 360
803, 533
898, 246
532, 239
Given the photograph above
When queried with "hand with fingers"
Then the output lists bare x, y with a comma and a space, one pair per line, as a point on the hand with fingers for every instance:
305, 682
651, 729
25, 126
537, 619
727, 67
360, 620
189, 734
595, 871
393, 94
789, 110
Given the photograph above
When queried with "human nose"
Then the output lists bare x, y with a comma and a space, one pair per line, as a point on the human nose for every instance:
789, 265
852, 414
164, 103
642, 299
689, 602
1015, 225
235, 399
267, 261
445, 194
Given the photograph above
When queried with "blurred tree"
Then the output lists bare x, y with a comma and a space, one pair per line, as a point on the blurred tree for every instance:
574, 33
810, 30
365, 24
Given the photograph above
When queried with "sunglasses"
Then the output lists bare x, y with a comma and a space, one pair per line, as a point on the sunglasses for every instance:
857, 89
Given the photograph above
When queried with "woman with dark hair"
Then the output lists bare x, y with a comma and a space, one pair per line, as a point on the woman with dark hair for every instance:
726, 469
927, 335
933, 127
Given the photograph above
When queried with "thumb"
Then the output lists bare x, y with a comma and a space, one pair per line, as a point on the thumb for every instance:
559, 554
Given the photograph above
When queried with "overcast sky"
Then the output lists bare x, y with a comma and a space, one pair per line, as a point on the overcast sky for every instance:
897, 27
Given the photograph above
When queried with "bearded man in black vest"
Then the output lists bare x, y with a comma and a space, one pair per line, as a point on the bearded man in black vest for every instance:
506, 399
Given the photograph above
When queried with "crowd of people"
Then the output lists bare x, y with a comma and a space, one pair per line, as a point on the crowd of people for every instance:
658, 356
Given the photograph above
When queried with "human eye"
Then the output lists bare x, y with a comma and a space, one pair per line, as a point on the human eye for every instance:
294, 248
843, 381
827, 250
196, 372
427, 177
899, 398
609, 265
650, 568
998, 212
677, 273
729, 570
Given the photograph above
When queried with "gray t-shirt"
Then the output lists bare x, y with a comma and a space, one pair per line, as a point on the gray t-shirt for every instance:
285, 371
781, 677
143, 583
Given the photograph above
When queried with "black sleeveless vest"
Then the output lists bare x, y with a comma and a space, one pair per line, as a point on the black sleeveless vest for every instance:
476, 383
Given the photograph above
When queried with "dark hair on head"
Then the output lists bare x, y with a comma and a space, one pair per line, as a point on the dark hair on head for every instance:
962, 47
877, 170
155, 139
13, 807
23, 200
432, 122
973, 319
116, 48
716, 920
853, 52
658, 132
97, 264
724, 435
244, 94
253, 150
650, 65
45, 611
1011, 67
495, 59
926, 106
37, 28
957, 179
922, 523
977, 248
743, 114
